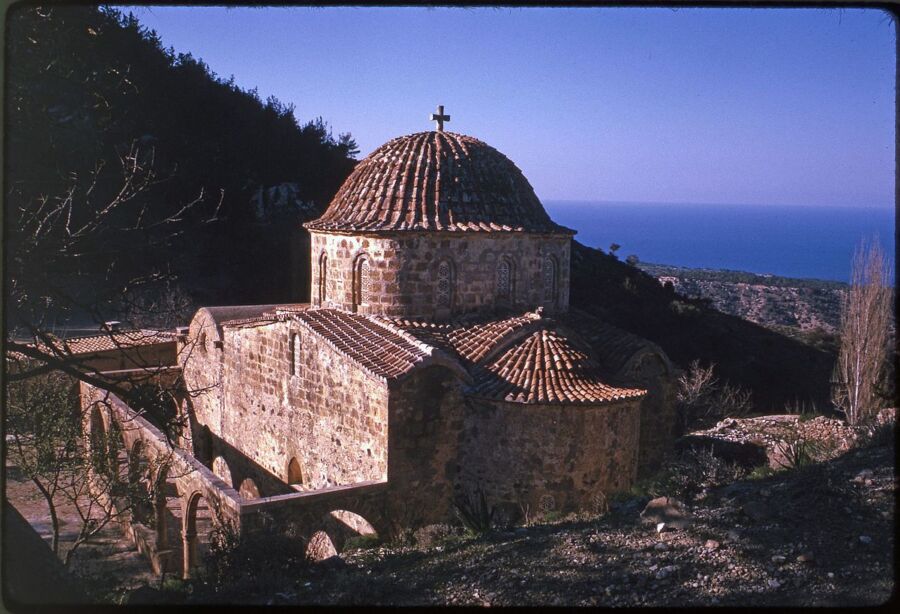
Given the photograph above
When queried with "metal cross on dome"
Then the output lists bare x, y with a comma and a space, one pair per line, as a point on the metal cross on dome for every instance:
440, 118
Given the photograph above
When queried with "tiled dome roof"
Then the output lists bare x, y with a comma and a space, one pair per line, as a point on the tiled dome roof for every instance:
436, 181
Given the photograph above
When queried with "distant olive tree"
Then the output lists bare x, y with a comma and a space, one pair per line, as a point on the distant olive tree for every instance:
863, 361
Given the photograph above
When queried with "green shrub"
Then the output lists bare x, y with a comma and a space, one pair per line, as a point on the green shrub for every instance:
689, 473
362, 542
760, 473
473, 511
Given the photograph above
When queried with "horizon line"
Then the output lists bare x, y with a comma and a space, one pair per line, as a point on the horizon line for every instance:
719, 204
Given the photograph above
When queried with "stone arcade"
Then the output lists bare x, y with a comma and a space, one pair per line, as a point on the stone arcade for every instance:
438, 357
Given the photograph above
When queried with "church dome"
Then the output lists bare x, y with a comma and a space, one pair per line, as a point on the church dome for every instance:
436, 181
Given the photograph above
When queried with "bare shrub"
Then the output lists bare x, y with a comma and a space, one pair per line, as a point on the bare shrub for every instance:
862, 364
734, 401
701, 399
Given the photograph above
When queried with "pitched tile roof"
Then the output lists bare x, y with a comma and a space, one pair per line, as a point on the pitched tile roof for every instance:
108, 341
471, 341
372, 345
523, 358
436, 181
614, 348
546, 368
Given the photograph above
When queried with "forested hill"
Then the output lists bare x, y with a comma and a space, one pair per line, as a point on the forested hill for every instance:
87, 86
777, 369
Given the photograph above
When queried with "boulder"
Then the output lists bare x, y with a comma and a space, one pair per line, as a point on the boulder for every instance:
756, 511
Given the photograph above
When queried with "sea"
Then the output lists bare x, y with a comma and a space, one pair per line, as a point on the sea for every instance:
789, 241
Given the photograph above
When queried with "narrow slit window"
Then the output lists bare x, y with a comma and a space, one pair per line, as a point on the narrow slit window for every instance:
323, 278
504, 279
444, 284
363, 283
295, 352
550, 278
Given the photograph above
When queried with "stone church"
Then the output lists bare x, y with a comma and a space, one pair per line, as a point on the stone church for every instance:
438, 353
438, 361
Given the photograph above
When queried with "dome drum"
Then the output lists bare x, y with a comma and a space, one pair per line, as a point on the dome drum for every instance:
437, 276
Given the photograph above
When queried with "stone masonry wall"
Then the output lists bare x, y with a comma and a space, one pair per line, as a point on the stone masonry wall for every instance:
426, 419
657, 411
550, 457
331, 416
403, 271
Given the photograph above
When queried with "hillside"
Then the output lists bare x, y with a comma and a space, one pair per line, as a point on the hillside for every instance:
777, 368
91, 95
805, 304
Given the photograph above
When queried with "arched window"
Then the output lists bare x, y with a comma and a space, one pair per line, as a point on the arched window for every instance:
504, 279
550, 274
361, 282
323, 278
295, 476
444, 289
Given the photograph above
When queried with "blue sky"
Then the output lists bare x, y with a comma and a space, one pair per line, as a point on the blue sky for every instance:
765, 106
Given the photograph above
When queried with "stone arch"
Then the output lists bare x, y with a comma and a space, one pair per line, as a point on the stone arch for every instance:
221, 469
140, 483
117, 453
550, 279
294, 472
167, 509
323, 278
320, 546
248, 489
198, 522
505, 279
338, 526
98, 438
203, 444
362, 280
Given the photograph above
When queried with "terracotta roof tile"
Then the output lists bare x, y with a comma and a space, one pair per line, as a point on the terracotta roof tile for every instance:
546, 368
522, 359
107, 341
436, 181
375, 347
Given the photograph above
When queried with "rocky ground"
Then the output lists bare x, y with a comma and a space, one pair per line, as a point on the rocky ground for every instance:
819, 535
822, 534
